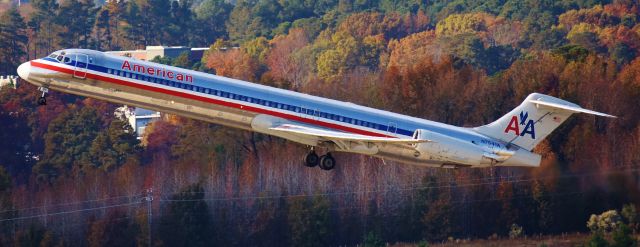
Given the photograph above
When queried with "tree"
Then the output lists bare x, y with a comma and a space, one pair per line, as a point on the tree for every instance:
182, 61
103, 29
136, 27
181, 23
597, 240
187, 221
630, 215
622, 54
283, 60
437, 217
76, 31
622, 237
42, 25
211, 16
5, 203
309, 221
13, 40
373, 240
67, 143
114, 146
115, 229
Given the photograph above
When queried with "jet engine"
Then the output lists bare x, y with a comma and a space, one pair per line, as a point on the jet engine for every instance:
447, 149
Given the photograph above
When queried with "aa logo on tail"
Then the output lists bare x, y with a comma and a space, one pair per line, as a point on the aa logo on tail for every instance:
515, 125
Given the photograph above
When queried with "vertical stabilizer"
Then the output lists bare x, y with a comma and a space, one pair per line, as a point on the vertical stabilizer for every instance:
533, 120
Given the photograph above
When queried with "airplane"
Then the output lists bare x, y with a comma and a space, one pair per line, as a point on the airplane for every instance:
316, 122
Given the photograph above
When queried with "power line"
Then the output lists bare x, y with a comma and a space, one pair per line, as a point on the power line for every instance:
398, 189
71, 211
69, 203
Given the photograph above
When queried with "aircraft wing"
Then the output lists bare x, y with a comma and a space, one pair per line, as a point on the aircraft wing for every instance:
337, 136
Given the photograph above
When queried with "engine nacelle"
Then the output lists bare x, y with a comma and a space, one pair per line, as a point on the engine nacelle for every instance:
447, 149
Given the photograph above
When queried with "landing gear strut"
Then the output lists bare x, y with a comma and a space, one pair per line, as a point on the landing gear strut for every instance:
43, 99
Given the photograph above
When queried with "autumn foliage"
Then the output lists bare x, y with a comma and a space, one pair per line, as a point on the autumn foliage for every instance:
74, 174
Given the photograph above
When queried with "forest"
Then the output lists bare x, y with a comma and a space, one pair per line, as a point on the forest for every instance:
72, 173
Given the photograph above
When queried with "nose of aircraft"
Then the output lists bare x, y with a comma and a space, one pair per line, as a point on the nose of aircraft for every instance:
24, 70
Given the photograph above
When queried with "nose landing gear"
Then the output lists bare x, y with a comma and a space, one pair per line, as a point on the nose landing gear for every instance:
43, 99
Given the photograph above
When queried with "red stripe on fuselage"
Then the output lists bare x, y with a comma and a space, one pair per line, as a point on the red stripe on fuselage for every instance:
212, 101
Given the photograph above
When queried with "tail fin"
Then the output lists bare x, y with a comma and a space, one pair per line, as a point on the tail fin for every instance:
534, 119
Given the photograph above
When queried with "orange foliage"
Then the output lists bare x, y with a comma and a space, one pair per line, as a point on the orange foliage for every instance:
412, 49
280, 60
232, 63
610, 36
365, 24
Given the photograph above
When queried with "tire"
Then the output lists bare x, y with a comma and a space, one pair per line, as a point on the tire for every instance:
42, 101
311, 159
327, 162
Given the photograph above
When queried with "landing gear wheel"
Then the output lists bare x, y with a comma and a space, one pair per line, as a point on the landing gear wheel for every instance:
327, 162
311, 159
42, 101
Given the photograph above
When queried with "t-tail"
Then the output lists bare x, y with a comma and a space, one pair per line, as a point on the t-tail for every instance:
533, 120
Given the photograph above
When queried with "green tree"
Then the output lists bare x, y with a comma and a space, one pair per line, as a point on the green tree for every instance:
630, 215
13, 40
136, 27
622, 237
597, 240
622, 54
211, 17
67, 143
42, 25
187, 222
373, 240
102, 29
114, 146
181, 23
309, 221
76, 22
182, 61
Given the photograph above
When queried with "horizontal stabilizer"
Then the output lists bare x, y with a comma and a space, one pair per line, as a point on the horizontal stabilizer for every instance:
341, 136
572, 109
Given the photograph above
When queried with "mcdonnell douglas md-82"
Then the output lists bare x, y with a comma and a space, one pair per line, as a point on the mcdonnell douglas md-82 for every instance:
335, 126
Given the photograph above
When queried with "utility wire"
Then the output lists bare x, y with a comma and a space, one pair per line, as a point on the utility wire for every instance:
71, 211
394, 190
69, 203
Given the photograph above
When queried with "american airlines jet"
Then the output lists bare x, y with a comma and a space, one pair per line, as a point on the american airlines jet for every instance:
331, 125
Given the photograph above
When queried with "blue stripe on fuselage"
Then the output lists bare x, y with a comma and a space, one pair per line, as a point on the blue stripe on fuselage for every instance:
405, 128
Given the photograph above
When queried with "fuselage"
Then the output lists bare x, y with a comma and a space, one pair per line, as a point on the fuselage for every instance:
237, 103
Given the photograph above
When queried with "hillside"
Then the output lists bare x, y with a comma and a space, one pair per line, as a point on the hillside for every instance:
71, 173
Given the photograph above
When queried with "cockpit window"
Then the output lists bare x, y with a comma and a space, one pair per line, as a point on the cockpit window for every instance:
53, 55
60, 57
67, 60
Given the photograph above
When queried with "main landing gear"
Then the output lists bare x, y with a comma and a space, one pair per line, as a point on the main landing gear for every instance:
325, 162
43, 99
